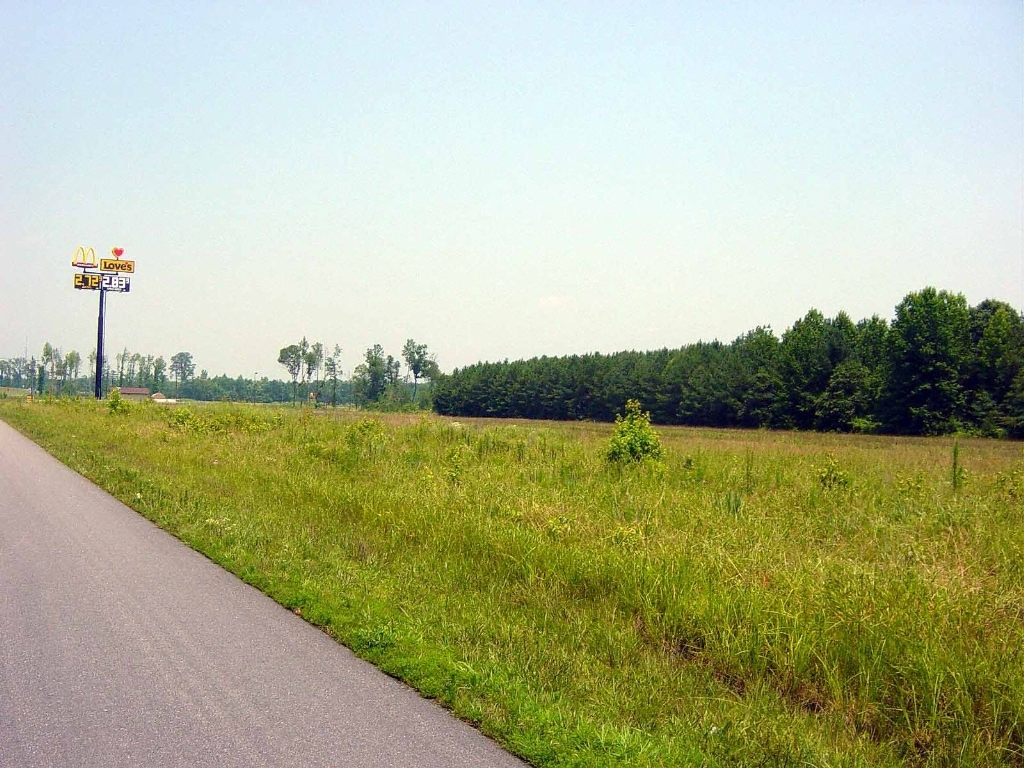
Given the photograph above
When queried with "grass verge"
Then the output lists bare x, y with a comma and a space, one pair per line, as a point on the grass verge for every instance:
754, 599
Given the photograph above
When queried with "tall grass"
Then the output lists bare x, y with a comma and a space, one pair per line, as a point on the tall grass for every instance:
753, 599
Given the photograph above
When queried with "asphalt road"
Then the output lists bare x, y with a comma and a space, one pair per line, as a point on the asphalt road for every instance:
119, 646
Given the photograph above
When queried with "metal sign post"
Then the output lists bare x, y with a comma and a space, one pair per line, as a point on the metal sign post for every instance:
99, 346
112, 276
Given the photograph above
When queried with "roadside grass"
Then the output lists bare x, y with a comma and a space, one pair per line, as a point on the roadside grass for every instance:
756, 598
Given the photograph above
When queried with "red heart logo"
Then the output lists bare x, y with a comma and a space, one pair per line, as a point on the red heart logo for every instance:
117, 252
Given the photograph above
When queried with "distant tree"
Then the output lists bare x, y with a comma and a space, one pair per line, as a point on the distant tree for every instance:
392, 369
994, 360
374, 375
695, 382
63, 371
808, 354
420, 362
758, 391
134, 361
332, 370
145, 372
182, 368
870, 345
928, 347
73, 362
121, 360
849, 400
313, 361
51, 356
997, 339
303, 375
291, 358
92, 370
159, 375
1014, 410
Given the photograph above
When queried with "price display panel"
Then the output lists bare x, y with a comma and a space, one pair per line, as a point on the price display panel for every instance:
118, 283
88, 281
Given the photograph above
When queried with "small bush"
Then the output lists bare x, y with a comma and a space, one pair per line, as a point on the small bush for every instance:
116, 404
634, 438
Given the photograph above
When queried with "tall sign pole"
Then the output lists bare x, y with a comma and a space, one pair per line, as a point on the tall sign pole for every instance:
99, 346
111, 277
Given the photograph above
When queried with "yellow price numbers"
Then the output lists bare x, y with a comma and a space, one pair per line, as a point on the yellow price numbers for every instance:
88, 281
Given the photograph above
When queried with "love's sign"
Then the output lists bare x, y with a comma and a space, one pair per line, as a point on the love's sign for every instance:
117, 265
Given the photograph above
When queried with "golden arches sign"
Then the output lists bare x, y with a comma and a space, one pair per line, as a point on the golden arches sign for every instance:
84, 258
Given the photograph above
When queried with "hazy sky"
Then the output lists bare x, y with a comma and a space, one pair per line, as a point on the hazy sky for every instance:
500, 180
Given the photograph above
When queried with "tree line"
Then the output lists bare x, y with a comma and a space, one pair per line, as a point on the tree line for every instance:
939, 366
54, 372
57, 374
314, 373
377, 382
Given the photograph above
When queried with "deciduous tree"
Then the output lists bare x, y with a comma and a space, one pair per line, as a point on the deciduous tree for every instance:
182, 368
291, 358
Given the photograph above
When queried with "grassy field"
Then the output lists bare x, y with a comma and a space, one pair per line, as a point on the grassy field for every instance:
755, 599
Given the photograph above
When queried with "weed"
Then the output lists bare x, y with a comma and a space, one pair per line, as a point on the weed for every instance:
456, 459
731, 503
958, 475
830, 476
1011, 484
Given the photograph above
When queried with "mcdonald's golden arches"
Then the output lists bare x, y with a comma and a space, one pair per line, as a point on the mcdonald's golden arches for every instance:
85, 258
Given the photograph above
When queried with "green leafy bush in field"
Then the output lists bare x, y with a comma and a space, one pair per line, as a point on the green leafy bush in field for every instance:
116, 404
634, 438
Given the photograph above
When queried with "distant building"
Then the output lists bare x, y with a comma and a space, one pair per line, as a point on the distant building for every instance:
135, 393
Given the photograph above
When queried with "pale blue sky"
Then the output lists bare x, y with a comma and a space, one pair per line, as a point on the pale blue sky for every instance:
501, 180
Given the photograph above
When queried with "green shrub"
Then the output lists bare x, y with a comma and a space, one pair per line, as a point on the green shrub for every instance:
116, 404
634, 438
